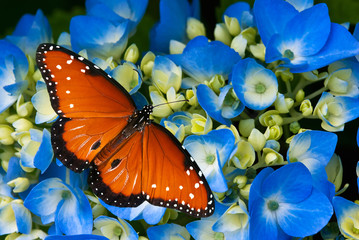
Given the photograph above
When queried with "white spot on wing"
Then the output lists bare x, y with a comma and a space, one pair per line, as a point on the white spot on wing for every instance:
69, 61
58, 67
191, 195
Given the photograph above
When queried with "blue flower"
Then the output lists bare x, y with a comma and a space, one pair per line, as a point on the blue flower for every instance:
179, 124
347, 215
113, 228
55, 201
242, 12
168, 231
150, 213
221, 108
284, 203
314, 149
211, 152
76, 237
304, 40
301, 5
255, 86
37, 153
202, 60
13, 70
172, 24
165, 74
118, 11
336, 111
100, 37
30, 32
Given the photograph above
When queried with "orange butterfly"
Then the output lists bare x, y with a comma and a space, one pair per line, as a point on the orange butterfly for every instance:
131, 158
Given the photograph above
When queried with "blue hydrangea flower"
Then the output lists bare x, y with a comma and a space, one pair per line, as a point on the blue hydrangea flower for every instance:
305, 40
100, 37
211, 152
13, 70
202, 229
30, 32
127, 76
284, 203
168, 231
76, 237
242, 12
347, 215
301, 5
150, 213
254, 85
113, 228
56, 201
336, 111
179, 124
221, 108
314, 149
202, 60
118, 11
37, 153
165, 74
172, 24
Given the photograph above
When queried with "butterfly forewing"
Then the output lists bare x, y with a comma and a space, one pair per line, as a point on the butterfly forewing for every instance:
93, 107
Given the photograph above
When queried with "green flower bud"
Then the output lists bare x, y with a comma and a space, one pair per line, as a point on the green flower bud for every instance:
294, 127
306, 107
299, 97
257, 139
258, 51
126, 76
338, 82
232, 25
175, 100
233, 129
250, 34
221, 34
274, 132
334, 171
176, 47
157, 98
246, 126
147, 63
4, 115
244, 191
6, 152
314, 75
271, 157
239, 44
200, 124
284, 74
22, 125
216, 82
240, 180
270, 118
12, 118
166, 74
195, 28
19, 184
23, 109
132, 53
5, 134
191, 96
244, 156
283, 105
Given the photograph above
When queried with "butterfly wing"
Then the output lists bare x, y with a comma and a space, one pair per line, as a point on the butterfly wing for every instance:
171, 177
92, 106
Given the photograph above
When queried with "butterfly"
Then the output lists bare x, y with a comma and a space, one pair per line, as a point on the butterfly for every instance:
131, 158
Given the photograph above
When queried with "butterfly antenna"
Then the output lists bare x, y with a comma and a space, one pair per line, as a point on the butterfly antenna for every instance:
184, 100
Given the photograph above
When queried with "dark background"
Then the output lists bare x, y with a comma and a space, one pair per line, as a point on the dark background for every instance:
59, 13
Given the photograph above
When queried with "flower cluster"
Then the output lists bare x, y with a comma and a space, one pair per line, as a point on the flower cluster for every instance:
245, 104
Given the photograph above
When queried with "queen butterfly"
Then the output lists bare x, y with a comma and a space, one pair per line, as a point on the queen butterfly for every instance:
131, 158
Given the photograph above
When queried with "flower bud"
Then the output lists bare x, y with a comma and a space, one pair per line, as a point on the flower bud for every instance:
127, 76
250, 34
12, 118
5, 134
166, 74
258, 51
200, 124
294, 127
272, 157
147, 63
314, 75
176, 47
257, 139
233, 129
178, 132
22, 125
216, 82
306, 107
284, 74
334, 171
23, 109
339, 82
244, 156
270, 118
239, 44
20, 184
273, 144
232, 25
240, 180
299, 97
157, 99
274, 132
195, 28
221, 34
191, 96
283, 105
246, 126
132, 53
245, 191
175, 100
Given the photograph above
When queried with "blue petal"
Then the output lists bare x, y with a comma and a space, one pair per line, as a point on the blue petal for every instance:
300, 5
14, 170
341, 44
307, 217
129, 232
167, 231
202, 59
98, 36
23, 218
209, 102
76, 237
45, 153
201, 229
272, 17
139, 100
236, 10
292, 183
74, 216
172, 25
216, 179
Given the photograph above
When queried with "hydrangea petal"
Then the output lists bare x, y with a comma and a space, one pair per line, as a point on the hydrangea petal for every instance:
23, 218
45, 153
300, 5
76, 237
166, 231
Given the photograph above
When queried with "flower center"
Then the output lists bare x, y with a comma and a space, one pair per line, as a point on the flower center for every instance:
272, 205
65, 194
218, 236
260, 88
288, 54
210, 159
117, 231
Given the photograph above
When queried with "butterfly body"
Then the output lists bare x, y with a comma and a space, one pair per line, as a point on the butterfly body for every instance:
131, 158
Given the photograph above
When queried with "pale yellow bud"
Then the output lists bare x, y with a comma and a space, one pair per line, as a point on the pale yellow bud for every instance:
257, 139
195, 28
132, 53
306, 108
221, 34
245, 126
232, 25
176, 47
147, 63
